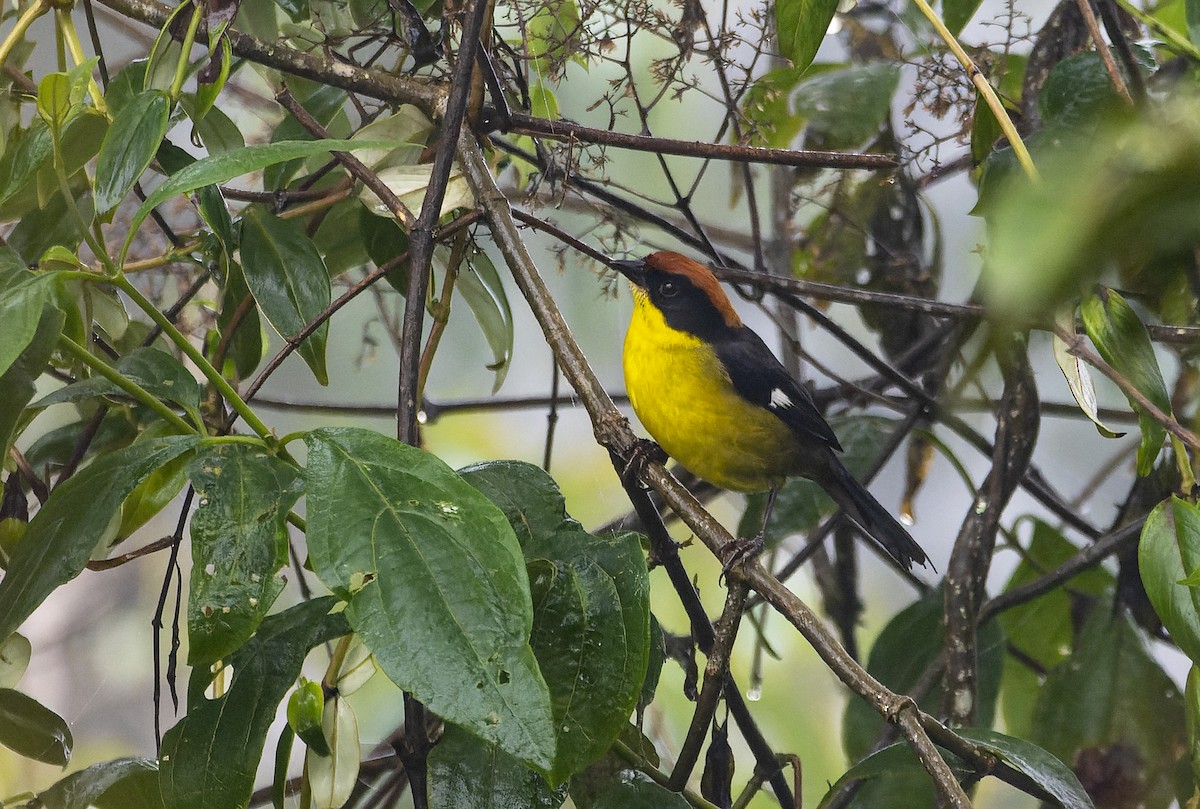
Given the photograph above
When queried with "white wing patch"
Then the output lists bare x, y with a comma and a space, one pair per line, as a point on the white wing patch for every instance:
779, 399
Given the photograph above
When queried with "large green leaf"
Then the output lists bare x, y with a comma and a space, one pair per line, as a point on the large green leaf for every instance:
1123, 341
466, 772
33, 730
209, 759
801, 26
435, 583
957, 13
633, 790
129, 146
591, 611
892, 777
239, 545
1168, 553
288, 278
62, 535
82, 789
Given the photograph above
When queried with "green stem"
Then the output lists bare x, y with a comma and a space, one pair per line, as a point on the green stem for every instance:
210, 373
17, 34
181, 68
64, 188
985, 90
126, 384
334, 669
67, 26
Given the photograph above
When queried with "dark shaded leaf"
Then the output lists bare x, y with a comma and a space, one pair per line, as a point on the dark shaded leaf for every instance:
31, 729
82, 789
466, 772
289, 280
1169, 552
481, 287
1050, 773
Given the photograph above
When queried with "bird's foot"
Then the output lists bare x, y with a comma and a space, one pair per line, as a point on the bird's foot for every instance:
643, 452
739, 551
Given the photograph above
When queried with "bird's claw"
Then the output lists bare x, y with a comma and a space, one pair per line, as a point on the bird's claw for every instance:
643, 452
739, 551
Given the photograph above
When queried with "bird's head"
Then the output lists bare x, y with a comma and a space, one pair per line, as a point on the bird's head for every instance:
686, 293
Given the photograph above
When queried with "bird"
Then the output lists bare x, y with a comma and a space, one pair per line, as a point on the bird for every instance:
715, 398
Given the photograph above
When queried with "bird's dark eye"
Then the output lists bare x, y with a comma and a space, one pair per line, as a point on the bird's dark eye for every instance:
668, 289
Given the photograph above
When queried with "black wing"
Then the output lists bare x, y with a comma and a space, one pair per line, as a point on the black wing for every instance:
759, 377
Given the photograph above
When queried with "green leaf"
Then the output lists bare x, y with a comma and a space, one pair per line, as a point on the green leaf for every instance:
22, 301
591, 611
1191, 10
846, 108
468, 773
325, 104
957, 13
244, 336
1124, 343
633, 790
305, 710
1110, 697
156, 490
906, 646
894, 772
289, 280
239, 544
1127, 195
54, 99
801, 26
768, 106
435, 583
483, 290
61, 537
222, 167
18, 381
1077, 92
1079, 380
129, 146
82, 789
29, 728
209, 759
15, 651
1168, 552
1191, 693
157, 371
1024, 756
1041, 629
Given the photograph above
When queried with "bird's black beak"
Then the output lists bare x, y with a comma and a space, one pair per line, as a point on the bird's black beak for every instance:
633, 269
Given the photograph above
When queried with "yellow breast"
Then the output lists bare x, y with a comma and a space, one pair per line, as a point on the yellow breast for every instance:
685, 400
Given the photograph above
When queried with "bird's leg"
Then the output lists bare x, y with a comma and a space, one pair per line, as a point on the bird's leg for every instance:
747, 548
643, 452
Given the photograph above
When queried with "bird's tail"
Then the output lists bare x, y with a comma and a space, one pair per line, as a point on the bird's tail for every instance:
873, 518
